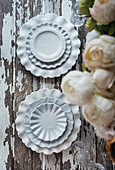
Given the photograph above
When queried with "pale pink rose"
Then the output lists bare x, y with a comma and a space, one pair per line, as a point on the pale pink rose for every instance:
107, 132
100, 53
103, 11
100, 111
103, 79
108, 93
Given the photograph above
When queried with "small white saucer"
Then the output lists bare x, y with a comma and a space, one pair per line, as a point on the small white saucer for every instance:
48, 122
47, 44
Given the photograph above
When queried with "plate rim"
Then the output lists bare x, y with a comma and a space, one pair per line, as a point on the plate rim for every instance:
54, 64
62, 43
60, 147
64, 127
49, 145
73, 35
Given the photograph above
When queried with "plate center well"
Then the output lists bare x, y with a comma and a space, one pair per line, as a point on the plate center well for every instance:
48, 45
48, 121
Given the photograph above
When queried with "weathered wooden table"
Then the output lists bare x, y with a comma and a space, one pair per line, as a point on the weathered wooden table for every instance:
16, 83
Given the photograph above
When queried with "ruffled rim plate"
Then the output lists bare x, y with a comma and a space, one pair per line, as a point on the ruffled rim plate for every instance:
65, 107
50, 51
20, 127
47, 65
48, 121
73, 35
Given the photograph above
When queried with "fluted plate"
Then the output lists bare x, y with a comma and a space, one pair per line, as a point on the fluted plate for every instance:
21, 118
48, 122
51, 100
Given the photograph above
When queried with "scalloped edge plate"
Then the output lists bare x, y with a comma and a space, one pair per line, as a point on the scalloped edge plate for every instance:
61, 60
20, 127
48, 121
69, 114
45, 42
73, 35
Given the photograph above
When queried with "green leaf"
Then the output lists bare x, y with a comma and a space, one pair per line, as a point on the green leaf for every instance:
109, 90
106, 29
84, 7
90, 24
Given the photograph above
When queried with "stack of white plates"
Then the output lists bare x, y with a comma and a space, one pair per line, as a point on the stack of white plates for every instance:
46, 122
48, 45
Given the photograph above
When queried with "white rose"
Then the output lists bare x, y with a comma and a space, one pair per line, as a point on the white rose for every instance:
77, 87
100, 53
103, 11
99, 111
107, 132
91, 35
103, 78
109, 93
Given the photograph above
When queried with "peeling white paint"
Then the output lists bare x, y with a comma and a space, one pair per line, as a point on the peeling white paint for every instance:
19, 84
4, 123
13, 139
43, 162
67, 9
35, 79
20, 14
6, 38
28, 11
6, 54
47, 7
67, 156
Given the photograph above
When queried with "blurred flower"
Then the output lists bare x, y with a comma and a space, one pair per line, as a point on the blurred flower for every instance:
91, 35
107, 132
77, 87
99, 111
100, 53
103, 11
109, 92
103, 78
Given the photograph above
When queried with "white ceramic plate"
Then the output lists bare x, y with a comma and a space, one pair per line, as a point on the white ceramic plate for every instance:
46, 64
48, 122
66, 109
34, 22
47, 44
20, 126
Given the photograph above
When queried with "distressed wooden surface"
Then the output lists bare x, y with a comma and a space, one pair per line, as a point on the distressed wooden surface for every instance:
16, 83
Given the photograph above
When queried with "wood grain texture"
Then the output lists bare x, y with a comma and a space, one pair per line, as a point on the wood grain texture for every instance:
16, 83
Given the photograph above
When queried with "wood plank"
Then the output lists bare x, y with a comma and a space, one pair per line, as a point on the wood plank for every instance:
6, 85
16, 83
23, 86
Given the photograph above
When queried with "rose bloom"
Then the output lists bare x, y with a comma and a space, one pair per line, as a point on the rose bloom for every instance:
91, 35
103, 11
78, 87
103, 78
100, 53
99, 111
108, 93
107, 132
